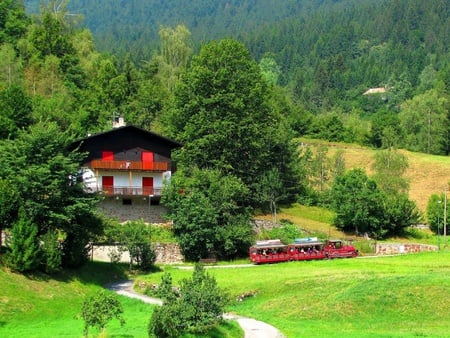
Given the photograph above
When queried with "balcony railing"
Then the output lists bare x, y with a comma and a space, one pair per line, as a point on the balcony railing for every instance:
129, 165
128, 191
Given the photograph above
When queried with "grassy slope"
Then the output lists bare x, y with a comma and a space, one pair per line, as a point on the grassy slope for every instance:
427, 174
402, 296
35, 306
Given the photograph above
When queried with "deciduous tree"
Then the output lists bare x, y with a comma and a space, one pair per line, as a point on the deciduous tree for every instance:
209, 214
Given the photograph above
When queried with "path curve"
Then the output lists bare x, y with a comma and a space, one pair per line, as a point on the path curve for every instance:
252, 328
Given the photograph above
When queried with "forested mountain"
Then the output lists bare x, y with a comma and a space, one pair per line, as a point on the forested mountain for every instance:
286, 69
133, 25
327, 52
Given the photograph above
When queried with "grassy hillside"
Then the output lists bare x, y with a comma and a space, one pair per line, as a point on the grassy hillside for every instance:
399, 296
427, 174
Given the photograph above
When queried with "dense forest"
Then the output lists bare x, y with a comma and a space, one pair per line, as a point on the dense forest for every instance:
239, 84
323, 55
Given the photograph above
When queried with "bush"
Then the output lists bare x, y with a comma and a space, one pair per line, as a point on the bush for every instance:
198, 306
135, 237
286, 233
99, 309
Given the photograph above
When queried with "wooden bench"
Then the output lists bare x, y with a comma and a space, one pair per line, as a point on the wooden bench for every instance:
207, 260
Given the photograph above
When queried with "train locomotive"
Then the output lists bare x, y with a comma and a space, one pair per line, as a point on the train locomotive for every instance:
311, 248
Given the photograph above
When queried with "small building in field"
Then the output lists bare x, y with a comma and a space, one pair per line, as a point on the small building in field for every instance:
128, 166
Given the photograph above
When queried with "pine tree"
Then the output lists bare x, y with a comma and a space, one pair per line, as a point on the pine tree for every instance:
24, 245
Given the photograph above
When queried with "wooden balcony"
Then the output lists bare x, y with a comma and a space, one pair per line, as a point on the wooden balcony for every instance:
130, 165
128, 191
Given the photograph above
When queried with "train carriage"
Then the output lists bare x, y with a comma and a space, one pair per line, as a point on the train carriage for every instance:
270, 251
306, 249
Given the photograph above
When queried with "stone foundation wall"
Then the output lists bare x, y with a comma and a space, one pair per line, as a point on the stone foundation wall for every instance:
166, 253
402, 248
139, 209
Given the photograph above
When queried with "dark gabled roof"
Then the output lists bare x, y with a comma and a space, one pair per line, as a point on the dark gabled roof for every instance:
126, 137
133, 129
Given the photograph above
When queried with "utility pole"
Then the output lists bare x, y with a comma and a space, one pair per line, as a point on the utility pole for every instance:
445, 216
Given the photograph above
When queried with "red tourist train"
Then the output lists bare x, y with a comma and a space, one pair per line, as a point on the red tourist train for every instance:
273, 251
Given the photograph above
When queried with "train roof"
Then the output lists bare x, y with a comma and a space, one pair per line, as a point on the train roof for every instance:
271, 243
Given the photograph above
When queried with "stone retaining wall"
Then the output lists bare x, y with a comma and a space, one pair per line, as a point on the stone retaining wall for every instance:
166, 253
402, 248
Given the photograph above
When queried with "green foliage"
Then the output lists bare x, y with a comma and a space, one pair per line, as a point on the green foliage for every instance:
13, 21
389, 167
24, 254
51, 252
100, 309
198, 306
134, 237
15, 106
286, 233
425, 120
208, 213
167, 321
9, 204
44, 173
363, 208
436, 212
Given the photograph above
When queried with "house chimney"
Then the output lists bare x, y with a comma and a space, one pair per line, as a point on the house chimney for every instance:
119, 122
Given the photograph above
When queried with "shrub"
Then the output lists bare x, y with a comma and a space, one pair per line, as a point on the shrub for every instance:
198, 306
99, 309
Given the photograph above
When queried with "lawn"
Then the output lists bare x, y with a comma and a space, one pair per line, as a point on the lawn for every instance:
37, 306
403, 296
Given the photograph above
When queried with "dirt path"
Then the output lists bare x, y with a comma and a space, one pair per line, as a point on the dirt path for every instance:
252, 328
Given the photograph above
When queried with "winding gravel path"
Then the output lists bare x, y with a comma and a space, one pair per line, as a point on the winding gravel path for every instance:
252, 328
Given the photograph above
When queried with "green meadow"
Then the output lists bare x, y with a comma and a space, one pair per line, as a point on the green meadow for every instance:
401, 296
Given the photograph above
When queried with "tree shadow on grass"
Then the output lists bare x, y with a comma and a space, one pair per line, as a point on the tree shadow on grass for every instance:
96, 273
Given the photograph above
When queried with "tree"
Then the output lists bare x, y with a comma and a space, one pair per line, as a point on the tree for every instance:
223, 97
362, 207
208, 213
320, 168
424, 119
10, 66
13, 21
358, 202
25, 253
435, 213
270, 69
198, 305
16, 108
271, 191
9, 205
45, 173
99, 309
175, 54
389, 167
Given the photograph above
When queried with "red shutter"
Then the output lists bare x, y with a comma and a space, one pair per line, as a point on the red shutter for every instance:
147, 160
107, 156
